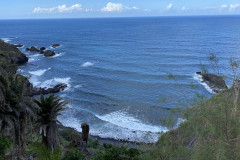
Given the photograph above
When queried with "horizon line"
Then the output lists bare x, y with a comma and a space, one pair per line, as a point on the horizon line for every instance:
162, 16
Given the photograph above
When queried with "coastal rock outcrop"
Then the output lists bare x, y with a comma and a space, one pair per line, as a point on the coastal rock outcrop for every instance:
49, 53
42, 48
55, 45
10, 54
32, 49
215, 82
55, 89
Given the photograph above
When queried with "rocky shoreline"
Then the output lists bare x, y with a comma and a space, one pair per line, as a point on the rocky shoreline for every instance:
215, 82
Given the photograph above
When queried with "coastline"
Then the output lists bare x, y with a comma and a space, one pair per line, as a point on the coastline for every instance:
101, 140
24, 60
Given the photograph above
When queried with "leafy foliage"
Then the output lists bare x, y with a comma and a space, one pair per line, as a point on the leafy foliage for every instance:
74, 154
50, 109
4, 145
117, 153
43, 153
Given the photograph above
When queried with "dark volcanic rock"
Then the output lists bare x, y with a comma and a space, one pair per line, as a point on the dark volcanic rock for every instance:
11, 54
49, 53
42, 48
32, 49
216, 83
57, 88
55, 45
21, 59
41, 52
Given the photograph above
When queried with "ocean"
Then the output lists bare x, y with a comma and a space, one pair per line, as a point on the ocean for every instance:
117, 69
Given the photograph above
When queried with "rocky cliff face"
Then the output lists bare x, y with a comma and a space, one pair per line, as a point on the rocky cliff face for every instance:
9, 54
10, 58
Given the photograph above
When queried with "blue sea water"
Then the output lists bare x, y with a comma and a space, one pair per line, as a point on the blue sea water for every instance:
117, 68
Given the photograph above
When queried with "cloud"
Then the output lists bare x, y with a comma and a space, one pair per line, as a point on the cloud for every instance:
183, 8
113, 7
169, 6
116, 7
230, 7
59, 9
224, 6
134, 7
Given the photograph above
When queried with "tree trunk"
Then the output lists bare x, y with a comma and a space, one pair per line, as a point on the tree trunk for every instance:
17, 141
23, 121
44, 137
52, 136
4, 130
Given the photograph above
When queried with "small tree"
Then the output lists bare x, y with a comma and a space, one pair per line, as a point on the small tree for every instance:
50, 108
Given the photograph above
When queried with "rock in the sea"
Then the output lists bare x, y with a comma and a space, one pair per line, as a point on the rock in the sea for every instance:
41, 52
216, 83
55, 45
49, 53
57, 88
32, 49
42, 48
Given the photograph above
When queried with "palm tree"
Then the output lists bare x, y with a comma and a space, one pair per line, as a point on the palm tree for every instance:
50, 108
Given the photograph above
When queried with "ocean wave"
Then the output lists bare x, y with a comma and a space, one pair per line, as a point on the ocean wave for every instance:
38, 72
122, 119
117, 125
80, 86
32, 59
200, 80
87, 64
53, 82
7, 39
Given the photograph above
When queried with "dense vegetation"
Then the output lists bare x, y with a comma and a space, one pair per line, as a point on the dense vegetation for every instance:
29, 126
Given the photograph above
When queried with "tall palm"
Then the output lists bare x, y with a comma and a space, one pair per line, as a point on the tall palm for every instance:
50, 108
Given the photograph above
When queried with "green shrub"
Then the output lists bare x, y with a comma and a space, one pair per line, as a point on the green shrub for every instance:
43, 153
117, 153
93, 143
74, 154
4, 145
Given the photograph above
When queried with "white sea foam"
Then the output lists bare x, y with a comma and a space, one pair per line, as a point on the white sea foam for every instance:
34, 80
119, 125
20, 70
33, 59
200, 80
19, 47
80, 85
57, 55
6, 39
122, 119
37, 55
38, 72
87, 64
52, 82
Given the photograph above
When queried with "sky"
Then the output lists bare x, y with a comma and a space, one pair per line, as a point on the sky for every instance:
35, 9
